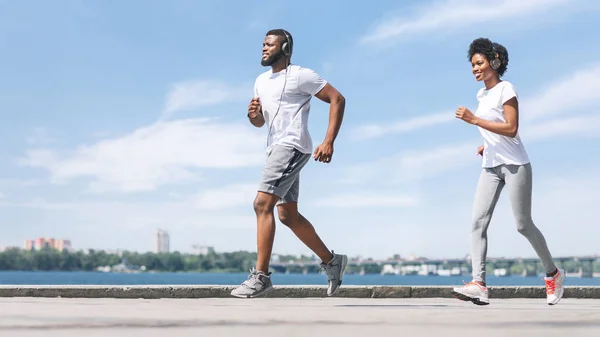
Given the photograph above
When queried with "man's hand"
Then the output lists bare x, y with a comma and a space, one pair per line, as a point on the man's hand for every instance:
324, 152
466, 115
480, 151
255, 112
254, 108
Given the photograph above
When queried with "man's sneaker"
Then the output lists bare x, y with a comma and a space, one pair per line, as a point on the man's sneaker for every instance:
554, 287
335, 270
257, 284
472, 292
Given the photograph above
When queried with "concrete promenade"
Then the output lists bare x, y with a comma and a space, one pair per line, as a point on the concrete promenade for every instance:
288, 317
207, 291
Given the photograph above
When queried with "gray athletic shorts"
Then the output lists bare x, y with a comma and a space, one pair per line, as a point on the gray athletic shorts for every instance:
281, 174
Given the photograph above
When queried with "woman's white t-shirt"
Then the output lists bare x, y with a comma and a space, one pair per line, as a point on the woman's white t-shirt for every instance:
499, 149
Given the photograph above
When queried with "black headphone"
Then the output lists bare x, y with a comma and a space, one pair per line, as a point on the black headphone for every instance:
288, 46
495, 63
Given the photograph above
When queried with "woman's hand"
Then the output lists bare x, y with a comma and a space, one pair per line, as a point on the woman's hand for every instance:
466, 115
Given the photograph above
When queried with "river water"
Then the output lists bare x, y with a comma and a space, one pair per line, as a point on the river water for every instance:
99, 278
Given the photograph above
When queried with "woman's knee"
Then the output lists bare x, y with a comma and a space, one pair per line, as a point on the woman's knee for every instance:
525, 225
480, 222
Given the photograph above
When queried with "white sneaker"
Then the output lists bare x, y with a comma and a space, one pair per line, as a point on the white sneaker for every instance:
472, 292
554, 287
335, 271
258, 284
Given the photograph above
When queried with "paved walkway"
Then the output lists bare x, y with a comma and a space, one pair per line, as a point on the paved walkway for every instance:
265, 317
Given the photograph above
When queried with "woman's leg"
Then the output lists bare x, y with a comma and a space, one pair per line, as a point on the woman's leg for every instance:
519, 181
488, 191
486, 197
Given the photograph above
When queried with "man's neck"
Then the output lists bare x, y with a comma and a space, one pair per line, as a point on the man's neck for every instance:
280, 65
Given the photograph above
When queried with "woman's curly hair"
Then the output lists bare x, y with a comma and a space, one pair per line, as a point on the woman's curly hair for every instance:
489, 49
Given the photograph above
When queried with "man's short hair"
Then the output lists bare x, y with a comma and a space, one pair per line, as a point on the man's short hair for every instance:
281, 34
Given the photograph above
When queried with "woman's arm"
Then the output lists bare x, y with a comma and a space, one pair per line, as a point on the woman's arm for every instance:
509, 128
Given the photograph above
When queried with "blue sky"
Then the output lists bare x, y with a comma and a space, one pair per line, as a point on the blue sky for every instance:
123, 117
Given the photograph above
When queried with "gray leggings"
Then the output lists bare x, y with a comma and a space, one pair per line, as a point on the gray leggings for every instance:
518, 178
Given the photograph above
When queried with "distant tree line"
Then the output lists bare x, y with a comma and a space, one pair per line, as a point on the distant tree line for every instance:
54, 260
241, 261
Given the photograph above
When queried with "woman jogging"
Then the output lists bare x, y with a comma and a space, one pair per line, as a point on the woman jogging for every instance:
505, 162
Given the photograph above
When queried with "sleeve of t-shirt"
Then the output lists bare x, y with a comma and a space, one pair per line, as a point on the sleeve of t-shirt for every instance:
309, 82
256, 88
508, 92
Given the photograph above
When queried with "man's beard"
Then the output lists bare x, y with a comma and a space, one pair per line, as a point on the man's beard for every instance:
272, 59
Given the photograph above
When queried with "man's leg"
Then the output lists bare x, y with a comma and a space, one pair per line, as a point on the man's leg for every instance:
264, 205
333, 264
279, 174
303, 229
259, 282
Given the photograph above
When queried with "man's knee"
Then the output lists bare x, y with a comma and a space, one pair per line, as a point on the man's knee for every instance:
288, 215
264, 203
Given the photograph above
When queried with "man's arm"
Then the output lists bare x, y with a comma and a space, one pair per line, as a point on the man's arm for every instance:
337, 105
255, 113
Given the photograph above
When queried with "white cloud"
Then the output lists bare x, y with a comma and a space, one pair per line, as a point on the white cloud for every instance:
452, 14
368, 200
155, 155
574, 93
116, 224
20, 182
129, 215
412, 165
191, 95
226, 197
580, 126
375, 130
40, 136
419, 164
41, 204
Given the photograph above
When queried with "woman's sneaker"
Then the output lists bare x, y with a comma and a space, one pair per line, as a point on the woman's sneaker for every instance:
472, 292
554, 287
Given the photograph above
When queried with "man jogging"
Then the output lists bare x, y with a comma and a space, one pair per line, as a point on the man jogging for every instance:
282, 101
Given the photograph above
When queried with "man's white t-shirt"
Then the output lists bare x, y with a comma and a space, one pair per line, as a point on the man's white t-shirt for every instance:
289, 125
499, 149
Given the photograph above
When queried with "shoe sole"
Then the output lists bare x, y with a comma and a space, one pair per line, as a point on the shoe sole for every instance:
344, 264
261, 294
559, 298
466, 298
563, 289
